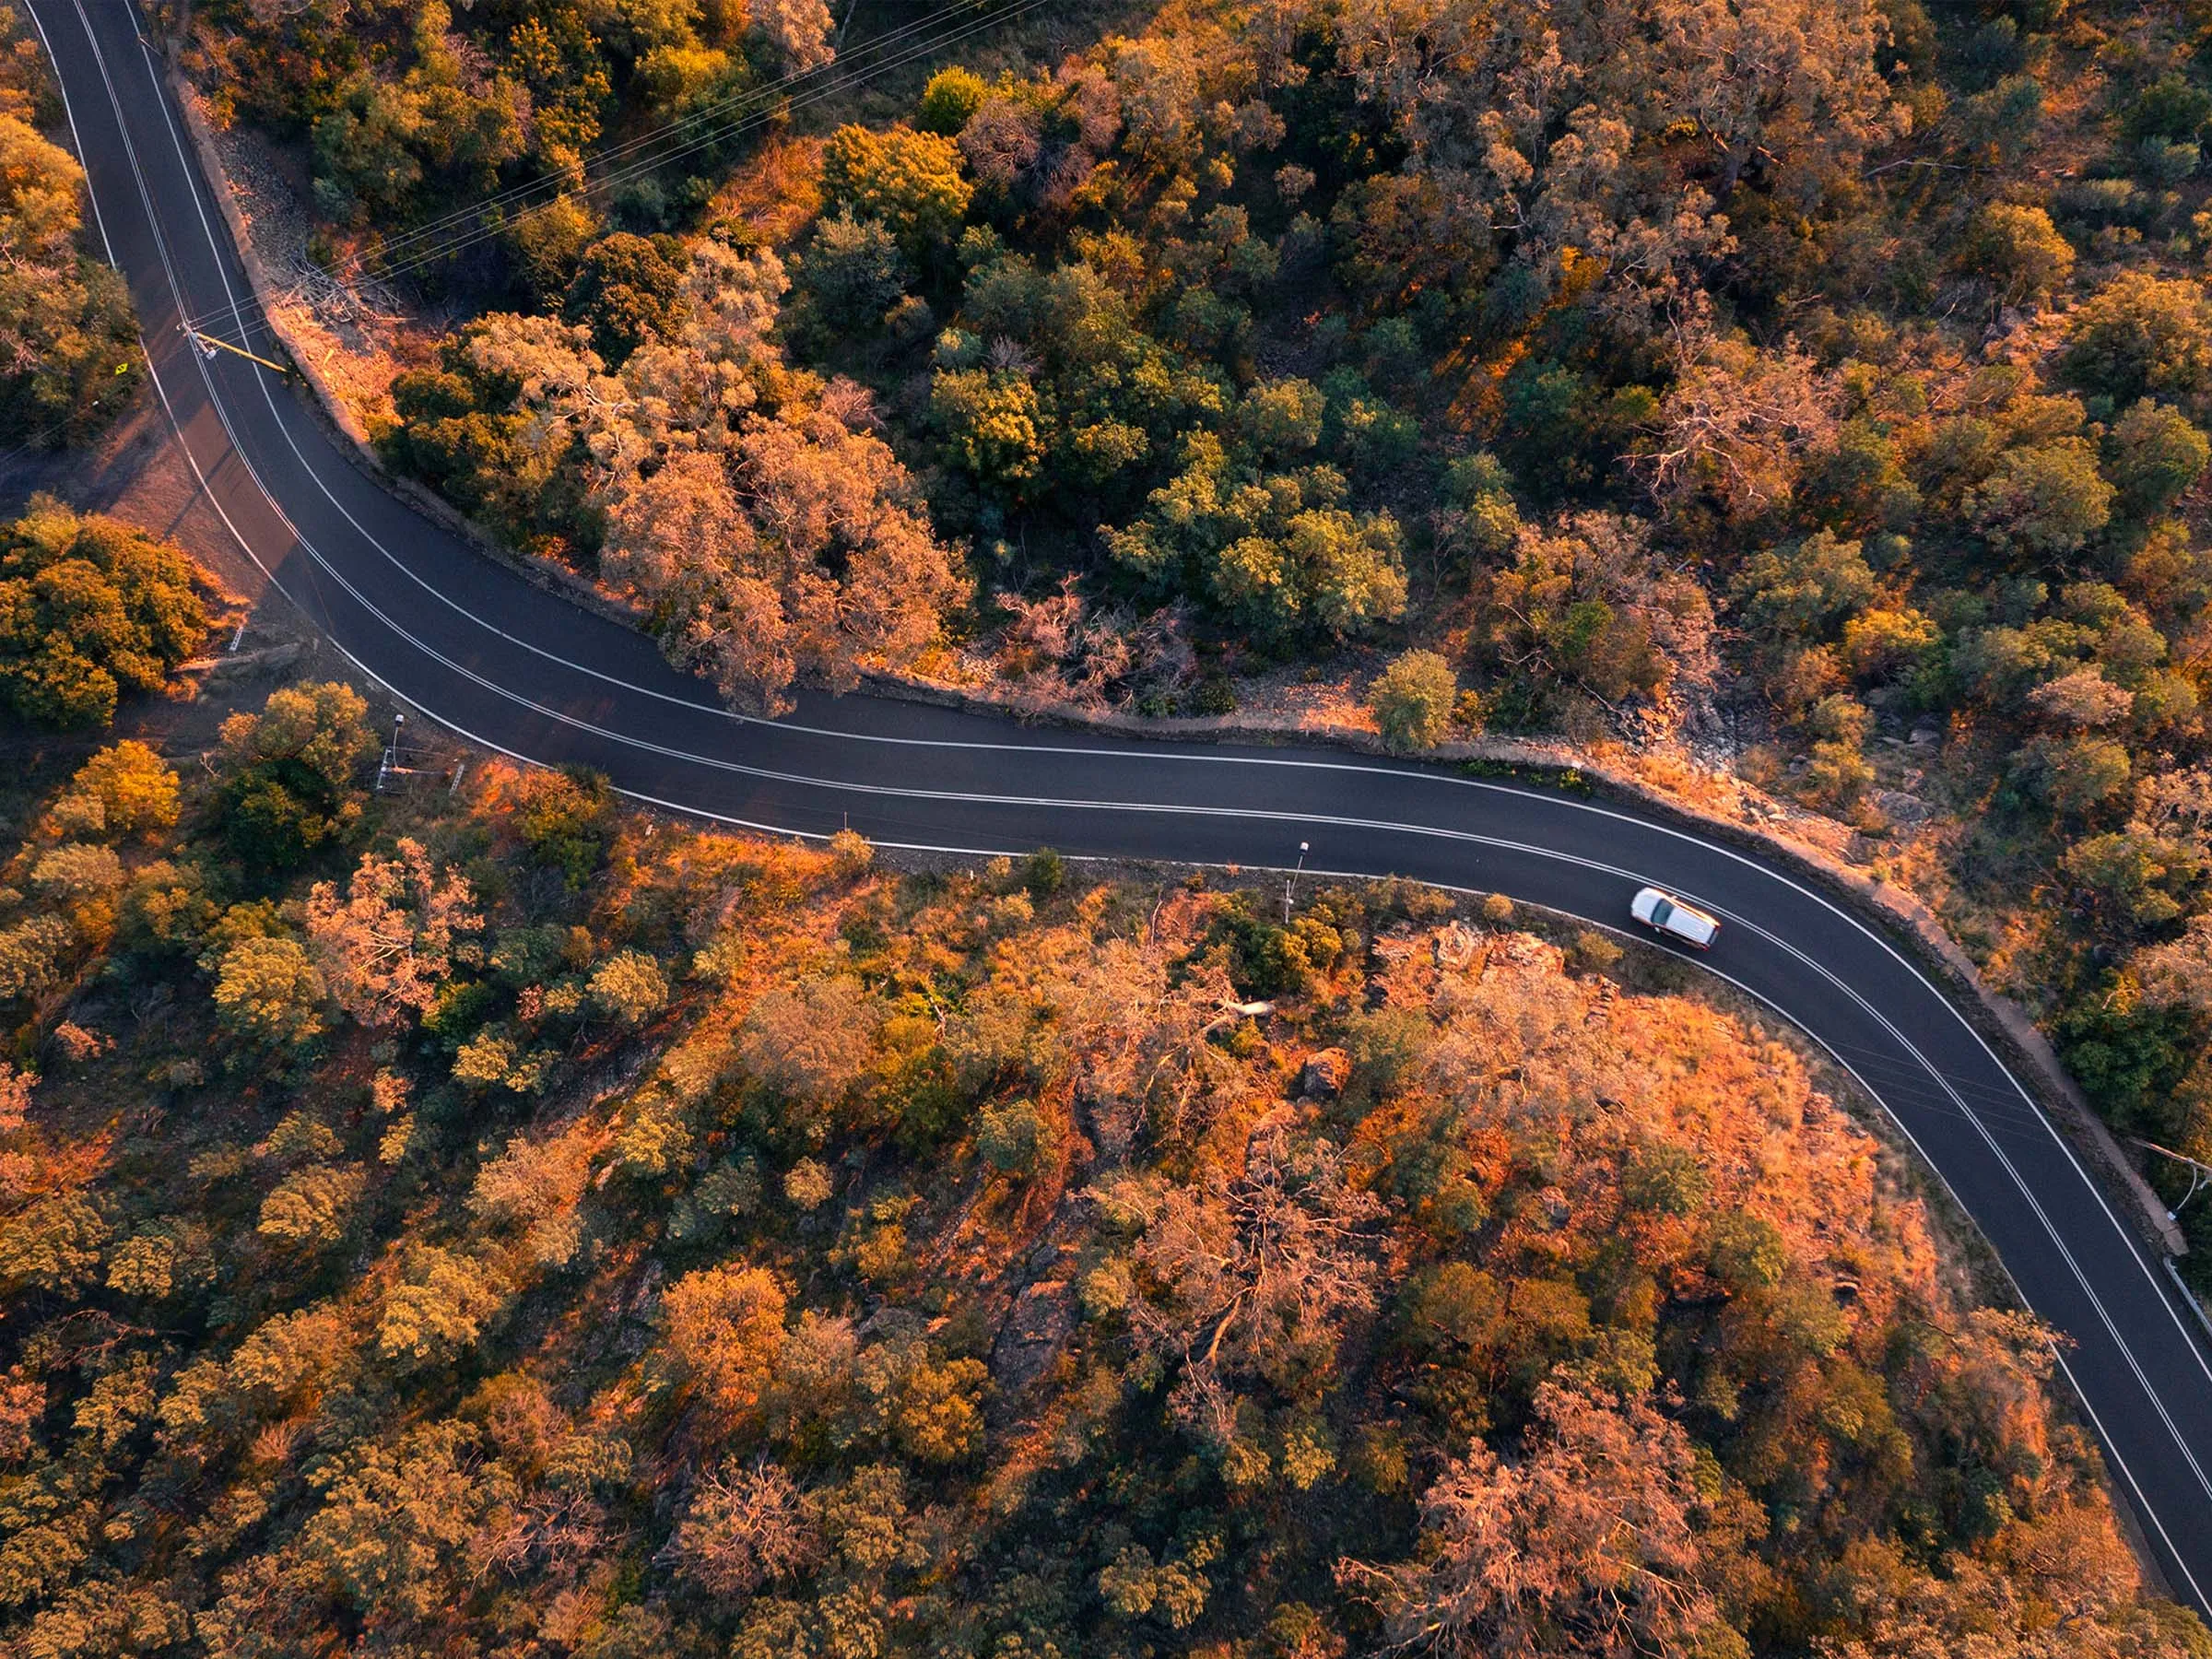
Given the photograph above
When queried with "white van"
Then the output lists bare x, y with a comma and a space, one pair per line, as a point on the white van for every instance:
1664, 913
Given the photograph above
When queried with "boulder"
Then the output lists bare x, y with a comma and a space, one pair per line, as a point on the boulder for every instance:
1325, 1073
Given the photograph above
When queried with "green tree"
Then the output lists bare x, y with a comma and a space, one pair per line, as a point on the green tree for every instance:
2156, 455
952, 96
1803, 589
268, 993
2044, 501
289, 789
90, 608
851, 274
626, 289
2141, 334
1413, 700
910, 180
2018, 250
990, 422
1015, 1139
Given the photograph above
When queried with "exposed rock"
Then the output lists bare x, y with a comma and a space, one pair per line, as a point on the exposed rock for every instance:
1901, 808
1036, 1328
1325, 1073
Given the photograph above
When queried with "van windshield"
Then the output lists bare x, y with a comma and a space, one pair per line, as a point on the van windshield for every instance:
1661, 910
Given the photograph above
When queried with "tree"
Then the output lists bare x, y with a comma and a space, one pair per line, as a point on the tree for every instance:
2157, 455
439, 1310
798, 32
89, 608
630, 985
1592, 1539
504, 424
991, 426
52, 1243
1274, 552
626, 289
2141, 334
853, 273
323, 727
2076, 775
310, 1208
954, 93
386, 948
1256, 1268
1587, 606
290, 769
268, 993
910, 180
2017, 249
565, 818
1804, 590
808, 556
125, 789
1015, 1138
2044, 501
2178, 972
724, 1330
1738, 423
1414, 699
537, 1185
743, 1528
813, 1041
396, 1521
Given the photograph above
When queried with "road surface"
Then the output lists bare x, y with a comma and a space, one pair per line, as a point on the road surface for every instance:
474, 646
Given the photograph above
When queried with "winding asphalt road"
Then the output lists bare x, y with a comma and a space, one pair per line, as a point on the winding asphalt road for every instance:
477, 647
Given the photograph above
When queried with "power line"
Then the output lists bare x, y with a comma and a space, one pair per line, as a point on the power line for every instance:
715, 135
751, 95
447, 247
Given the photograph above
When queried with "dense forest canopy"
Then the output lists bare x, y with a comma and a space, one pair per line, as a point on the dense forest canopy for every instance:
1777, 381
490, 1221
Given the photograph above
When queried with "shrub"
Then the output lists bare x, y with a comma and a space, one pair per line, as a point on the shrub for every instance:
952, 96
1015, 1139
2019, 250
1413, 700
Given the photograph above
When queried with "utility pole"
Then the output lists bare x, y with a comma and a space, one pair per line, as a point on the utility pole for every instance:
391, 765
1290, 882
209, 346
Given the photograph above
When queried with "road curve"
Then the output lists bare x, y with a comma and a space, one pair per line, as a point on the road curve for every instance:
479, 649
